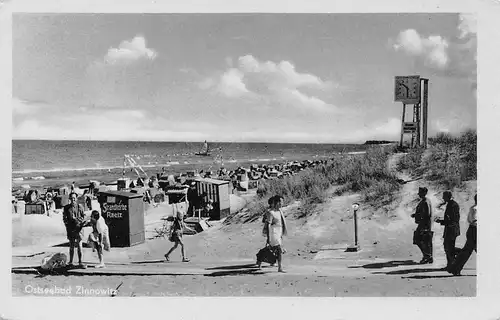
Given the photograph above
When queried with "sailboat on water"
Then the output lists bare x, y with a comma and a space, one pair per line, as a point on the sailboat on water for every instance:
205, 150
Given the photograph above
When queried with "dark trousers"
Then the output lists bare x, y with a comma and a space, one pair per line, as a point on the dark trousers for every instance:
449, 248
426, 248
423, 239
464, 254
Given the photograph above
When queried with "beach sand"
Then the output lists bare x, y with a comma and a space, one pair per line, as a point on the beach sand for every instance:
221, 258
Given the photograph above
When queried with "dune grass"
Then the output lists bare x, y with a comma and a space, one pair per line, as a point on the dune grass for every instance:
367, 174
448, 162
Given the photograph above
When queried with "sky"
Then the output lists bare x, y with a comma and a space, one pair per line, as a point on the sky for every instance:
312, 78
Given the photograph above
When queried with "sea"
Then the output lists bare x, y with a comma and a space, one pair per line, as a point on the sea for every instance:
53, 163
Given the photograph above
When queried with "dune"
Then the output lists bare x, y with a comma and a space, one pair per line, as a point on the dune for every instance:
385, 235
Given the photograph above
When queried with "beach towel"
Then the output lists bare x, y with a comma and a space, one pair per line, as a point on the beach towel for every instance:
103, 229
54, 261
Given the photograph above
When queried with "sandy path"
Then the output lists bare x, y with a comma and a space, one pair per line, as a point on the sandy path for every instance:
267, 284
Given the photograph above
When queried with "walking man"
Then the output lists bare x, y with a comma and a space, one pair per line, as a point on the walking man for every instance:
470, 244
422, 237
73, 218
451, 223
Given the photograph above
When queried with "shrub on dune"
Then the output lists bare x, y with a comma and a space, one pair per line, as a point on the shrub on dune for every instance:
449, 161
367, 173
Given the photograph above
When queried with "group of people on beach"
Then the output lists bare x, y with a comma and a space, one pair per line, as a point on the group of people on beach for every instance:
422, 236
274, 229
269, 171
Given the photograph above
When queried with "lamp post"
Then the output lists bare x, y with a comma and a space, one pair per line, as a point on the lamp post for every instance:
355, 248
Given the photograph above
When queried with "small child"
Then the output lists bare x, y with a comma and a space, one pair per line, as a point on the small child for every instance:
99, 238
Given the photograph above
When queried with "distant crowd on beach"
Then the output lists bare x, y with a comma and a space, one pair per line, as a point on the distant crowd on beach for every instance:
241, 179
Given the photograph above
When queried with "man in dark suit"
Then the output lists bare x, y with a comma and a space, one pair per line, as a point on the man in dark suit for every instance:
451, 223
422, 237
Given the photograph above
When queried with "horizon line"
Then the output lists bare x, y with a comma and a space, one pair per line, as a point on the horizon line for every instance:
201, 141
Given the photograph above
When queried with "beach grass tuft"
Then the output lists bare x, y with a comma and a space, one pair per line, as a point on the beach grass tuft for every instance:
448, 162
367, 174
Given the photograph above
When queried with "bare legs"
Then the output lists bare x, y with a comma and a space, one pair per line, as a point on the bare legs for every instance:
79, 252
78, 244
183, 252
100, 255
71, 251
279, 257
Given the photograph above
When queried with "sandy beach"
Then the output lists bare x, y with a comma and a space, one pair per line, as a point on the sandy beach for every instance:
222, 257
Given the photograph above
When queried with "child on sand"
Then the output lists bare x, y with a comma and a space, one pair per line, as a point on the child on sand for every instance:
176, 231
99, 238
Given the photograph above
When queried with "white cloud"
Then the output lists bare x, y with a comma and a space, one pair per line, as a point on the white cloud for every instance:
231, 83
206, 84
278, 75
129, 51
106, 124
101, 130
274, 83
385, 130
442, 126
22, 107
389, 129
282, 136
451, 124
457, 58
433, 50
23, 110
295, 96
467, 25
468, 51
124, 79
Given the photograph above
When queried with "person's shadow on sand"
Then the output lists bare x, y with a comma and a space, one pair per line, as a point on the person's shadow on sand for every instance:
387, 264
66, 245
233, 267
407, 271
235, 270
235, 273
414, 270
439, 276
